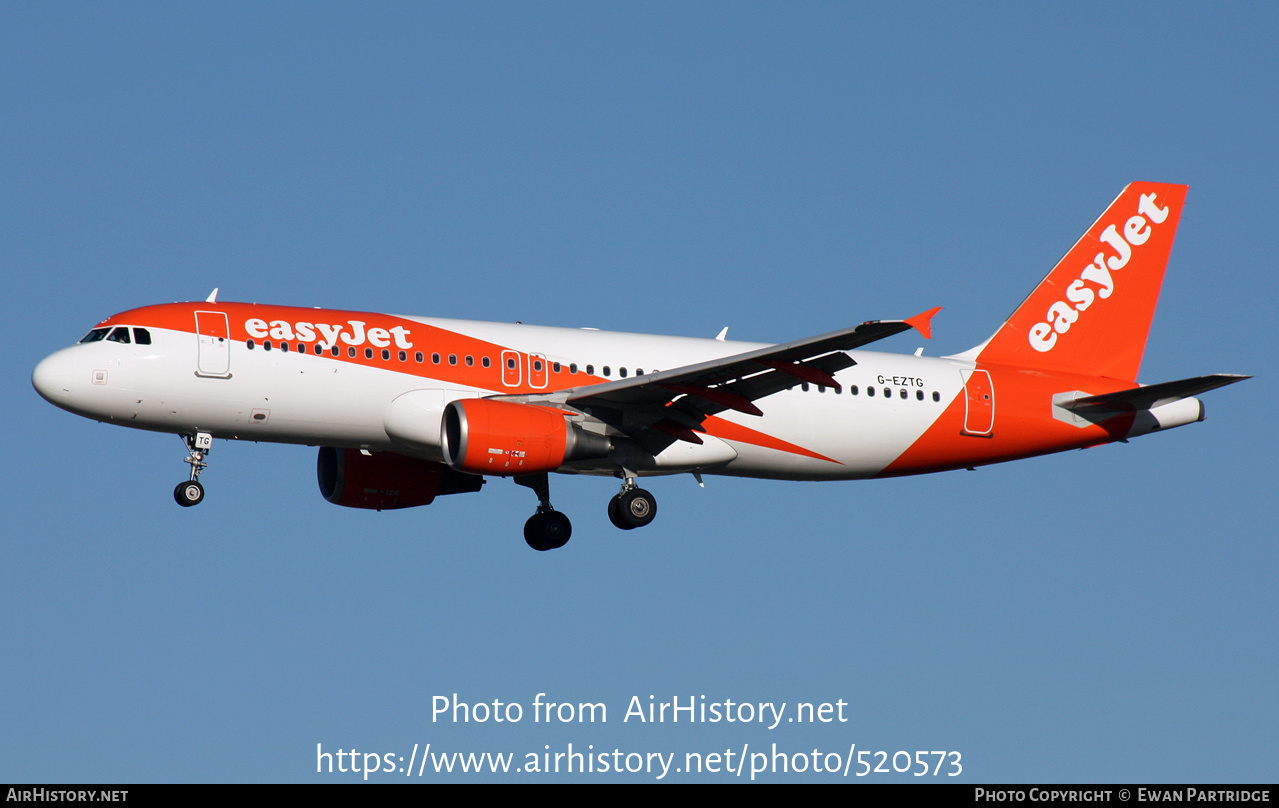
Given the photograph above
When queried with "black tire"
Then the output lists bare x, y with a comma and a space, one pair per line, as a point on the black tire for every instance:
557, 528
636, 507
547, 531
615, 516
188, 493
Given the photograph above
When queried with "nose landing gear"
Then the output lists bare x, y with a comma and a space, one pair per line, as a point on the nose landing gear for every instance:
190, 492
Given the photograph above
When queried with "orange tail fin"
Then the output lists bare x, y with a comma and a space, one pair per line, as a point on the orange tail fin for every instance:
1092, 314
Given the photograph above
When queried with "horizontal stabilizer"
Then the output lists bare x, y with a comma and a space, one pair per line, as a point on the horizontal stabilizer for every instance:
1150, 396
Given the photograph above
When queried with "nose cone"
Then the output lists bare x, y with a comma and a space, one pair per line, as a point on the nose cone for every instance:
53, 378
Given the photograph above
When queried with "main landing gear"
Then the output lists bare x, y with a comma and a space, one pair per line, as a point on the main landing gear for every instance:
191, 492
633, 507
548, 529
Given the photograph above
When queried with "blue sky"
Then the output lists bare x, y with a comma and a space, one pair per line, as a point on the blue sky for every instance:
1106, 615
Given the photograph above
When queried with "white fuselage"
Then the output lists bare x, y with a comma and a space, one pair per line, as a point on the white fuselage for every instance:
299, 397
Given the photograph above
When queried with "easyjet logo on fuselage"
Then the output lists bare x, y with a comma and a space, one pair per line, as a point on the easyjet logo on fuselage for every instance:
306, 332
1096, 279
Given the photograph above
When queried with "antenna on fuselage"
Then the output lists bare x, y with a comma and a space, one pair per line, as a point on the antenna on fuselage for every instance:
213, 296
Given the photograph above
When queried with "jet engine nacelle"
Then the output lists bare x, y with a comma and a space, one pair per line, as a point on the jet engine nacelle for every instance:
482, 436
385, 480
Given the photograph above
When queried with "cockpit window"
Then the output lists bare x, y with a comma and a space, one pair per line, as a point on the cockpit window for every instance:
118, 334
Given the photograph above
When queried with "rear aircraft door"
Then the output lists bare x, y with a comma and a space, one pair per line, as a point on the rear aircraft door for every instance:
979, 397
214, 334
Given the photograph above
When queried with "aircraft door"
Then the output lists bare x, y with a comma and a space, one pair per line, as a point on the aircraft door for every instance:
537, 375
511, 368
979, 396
214, 334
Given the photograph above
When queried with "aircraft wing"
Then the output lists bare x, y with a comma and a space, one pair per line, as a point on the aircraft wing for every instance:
675, 402
1151, 395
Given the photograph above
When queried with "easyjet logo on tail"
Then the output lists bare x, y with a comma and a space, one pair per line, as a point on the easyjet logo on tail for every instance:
1096, 279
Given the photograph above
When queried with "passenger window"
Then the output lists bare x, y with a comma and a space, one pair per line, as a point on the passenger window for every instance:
452, 359
485, 362
350, 352
435, 359
368, 353
870, 391
386, 354
95, 335
804, 387
573, 368
904, 394
888, 393
336, 351
142, 336
510, 363
119, 335
639, 371
404, 356
284, 346
608, 371
249, 345
852, 390
555, 366
936, 396
919, 395
622, 372
470, 361
266, 346
590, 370
537, 365
418, 357
319, 349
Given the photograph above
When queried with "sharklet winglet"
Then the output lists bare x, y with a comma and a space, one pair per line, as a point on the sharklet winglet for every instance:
923, 322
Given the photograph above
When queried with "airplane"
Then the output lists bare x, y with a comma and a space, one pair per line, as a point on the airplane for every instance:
405, 409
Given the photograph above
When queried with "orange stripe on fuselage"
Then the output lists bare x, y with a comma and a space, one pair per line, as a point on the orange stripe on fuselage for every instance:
1024, 425
728, 430
420, 337
417, 336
